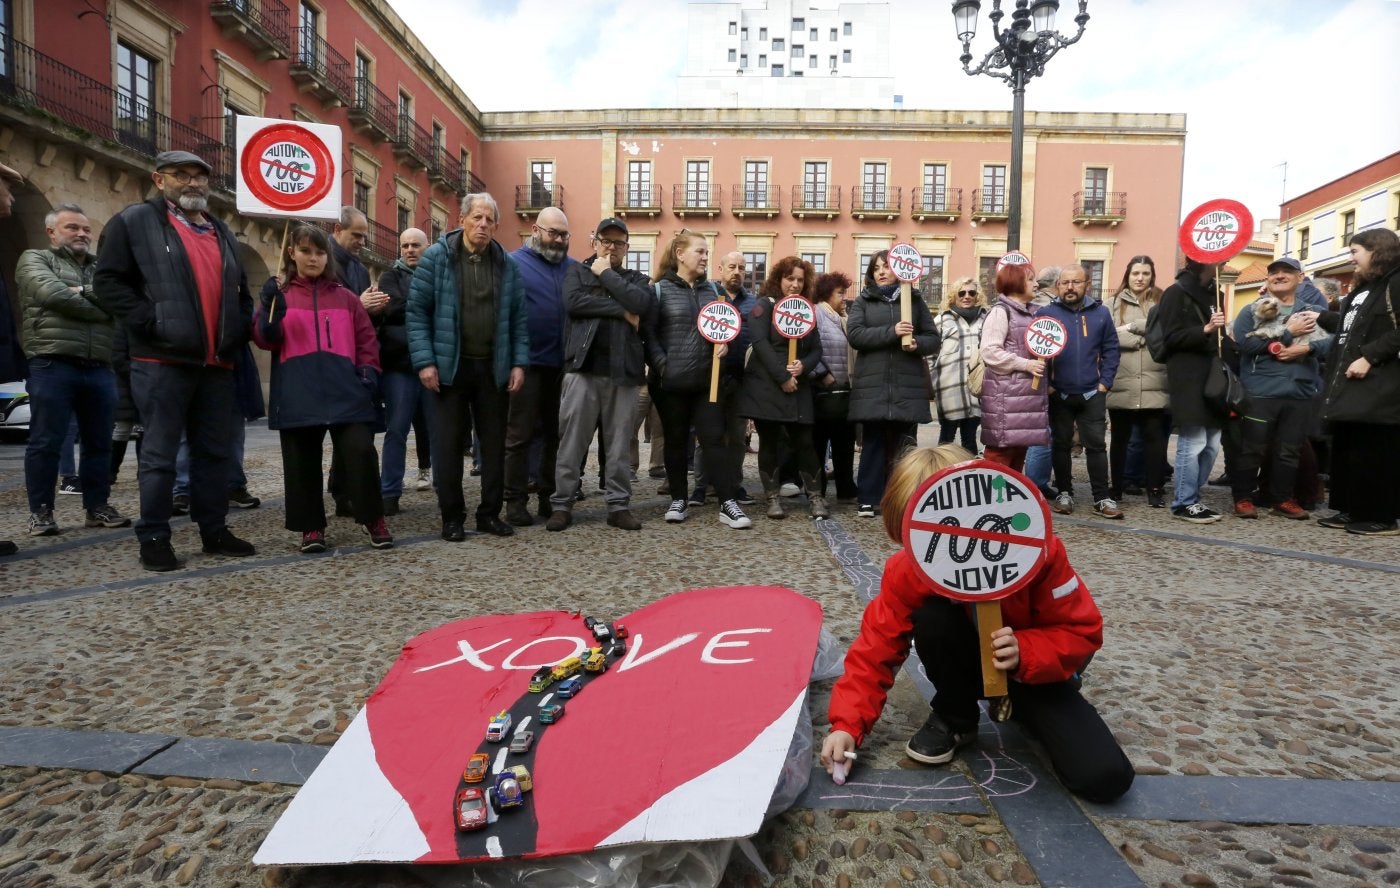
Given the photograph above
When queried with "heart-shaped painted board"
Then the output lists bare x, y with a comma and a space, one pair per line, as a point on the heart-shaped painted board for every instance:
682, 738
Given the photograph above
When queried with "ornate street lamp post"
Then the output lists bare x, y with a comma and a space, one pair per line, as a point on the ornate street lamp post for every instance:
1020, 53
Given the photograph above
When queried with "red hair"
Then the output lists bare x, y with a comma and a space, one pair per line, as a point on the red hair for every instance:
1013, 279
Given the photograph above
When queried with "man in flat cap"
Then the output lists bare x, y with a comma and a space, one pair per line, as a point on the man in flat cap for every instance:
169, 271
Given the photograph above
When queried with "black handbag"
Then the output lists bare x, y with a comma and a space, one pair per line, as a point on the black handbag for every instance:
1224, 393
831, 405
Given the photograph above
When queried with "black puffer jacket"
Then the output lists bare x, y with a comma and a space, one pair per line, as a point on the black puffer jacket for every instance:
888, 383
145, 280
762, 396
1184, 310
391, 324
1372, 334
597, 307
679, 356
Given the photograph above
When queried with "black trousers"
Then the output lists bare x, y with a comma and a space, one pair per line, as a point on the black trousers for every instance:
682, 411
1282, 423
302, 449
1090, 417
474, 398
534, 412
1154, 446
1081, 748
777, 440
841, 435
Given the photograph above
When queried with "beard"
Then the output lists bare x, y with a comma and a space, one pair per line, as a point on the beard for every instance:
552, 253
193, 203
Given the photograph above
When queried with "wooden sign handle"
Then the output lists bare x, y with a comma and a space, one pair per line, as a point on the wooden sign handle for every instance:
792, 350
906, 310
714, 376
989, 621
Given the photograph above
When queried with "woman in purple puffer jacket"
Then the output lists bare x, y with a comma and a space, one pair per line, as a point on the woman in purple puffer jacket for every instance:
1014, 415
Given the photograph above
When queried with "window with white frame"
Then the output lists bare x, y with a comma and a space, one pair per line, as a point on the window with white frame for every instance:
755, 184
697, 183
639, 183
818, 261
935, 195
755, 270
814, 184
874, 177
541, 183
994, 188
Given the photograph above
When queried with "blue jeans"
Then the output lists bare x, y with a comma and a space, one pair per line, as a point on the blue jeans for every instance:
59, 390
884, 444
67, 461
1196, 450
403, 394
1038, 463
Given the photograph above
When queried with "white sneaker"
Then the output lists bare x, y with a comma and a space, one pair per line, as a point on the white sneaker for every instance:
425, 480
789, 489
676, 514
732, 515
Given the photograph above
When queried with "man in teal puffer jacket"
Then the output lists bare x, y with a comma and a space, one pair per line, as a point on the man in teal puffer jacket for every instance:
468, 340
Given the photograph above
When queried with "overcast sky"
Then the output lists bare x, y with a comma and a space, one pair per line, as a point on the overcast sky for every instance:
1309, 82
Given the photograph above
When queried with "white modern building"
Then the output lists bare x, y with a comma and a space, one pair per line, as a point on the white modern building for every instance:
788, 54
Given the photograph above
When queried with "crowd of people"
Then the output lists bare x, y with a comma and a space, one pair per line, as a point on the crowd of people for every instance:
519, 360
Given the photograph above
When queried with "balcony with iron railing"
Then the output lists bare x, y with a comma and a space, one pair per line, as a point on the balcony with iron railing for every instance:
989, 205
875, 203
446, 171
637, 200
413, 145
1100, 207
530, 199
46, 91
265, 25
373, 112
755, 200
381, 245
695, 200
320, 70
808, 201
936, 203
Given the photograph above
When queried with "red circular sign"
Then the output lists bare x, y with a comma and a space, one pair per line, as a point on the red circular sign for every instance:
1046, 338
906, 263
1216, 230
794, 317
718, 321
287, 167
977, 531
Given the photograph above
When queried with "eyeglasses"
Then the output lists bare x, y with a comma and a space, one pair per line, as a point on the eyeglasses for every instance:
609, 242
185, 178
967, 292
553, 232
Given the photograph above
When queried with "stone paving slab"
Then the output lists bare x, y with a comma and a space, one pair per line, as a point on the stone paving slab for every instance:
109, 751
1259, 800
243, 760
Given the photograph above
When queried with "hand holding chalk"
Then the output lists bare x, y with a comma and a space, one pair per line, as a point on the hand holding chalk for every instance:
839, 770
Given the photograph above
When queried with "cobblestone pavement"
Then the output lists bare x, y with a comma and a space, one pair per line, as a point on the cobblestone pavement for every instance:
1254, 658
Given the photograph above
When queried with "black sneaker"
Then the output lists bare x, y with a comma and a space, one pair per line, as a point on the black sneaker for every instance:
180, 504
744, 498
242, 499
1196, 514
1374, 528
391, 506
697, 497
223, 542
70, 487
41, 524
106, 516
677, 513
159, 555
1338, 521
935, 743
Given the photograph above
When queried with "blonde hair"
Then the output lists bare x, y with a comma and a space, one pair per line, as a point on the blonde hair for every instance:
951, 297
667, 261
913, 469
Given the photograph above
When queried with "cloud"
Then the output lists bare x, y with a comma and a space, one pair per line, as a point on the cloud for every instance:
1260, 82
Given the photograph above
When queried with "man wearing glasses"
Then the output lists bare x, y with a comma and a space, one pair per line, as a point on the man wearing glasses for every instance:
534, 409
610, 309
169, 272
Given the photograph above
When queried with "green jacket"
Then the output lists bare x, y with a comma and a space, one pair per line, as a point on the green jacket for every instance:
54, 320
434, 336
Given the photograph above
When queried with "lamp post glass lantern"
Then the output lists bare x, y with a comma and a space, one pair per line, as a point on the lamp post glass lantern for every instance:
1019, 53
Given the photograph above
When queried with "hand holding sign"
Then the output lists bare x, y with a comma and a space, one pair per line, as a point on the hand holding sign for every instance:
718, 322
978, 531
793, 318
1045, 338
907, 265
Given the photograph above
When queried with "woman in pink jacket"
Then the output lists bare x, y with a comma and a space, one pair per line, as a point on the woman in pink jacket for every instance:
325, 370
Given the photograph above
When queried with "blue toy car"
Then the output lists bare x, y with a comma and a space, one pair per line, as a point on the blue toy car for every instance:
569, 687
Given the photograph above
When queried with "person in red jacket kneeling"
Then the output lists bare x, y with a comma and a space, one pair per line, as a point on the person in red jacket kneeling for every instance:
1052, 628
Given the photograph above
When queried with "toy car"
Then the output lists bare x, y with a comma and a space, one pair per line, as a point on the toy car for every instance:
565, 668
498, 728
476, 768
469, 809
543, 678
617, 648
522, 776
601, 631
619, 630
589, 622
520, 743
596, 661
570, 687
551, 713
507, 792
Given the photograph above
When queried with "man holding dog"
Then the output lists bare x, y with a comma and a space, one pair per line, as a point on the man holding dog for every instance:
1280, 374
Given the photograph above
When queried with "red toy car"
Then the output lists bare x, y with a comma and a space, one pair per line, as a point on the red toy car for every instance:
469, 809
